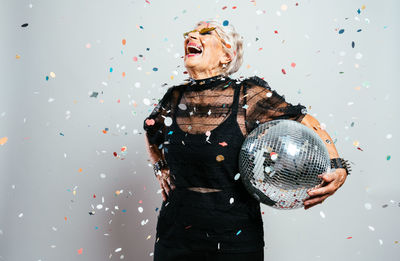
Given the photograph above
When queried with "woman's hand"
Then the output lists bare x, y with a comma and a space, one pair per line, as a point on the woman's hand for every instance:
331, 182
166, 182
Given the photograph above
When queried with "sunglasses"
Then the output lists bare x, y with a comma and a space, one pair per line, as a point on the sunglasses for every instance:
204, 31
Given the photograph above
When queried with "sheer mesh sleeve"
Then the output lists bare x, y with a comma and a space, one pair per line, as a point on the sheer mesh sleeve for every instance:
265, 104
154, 123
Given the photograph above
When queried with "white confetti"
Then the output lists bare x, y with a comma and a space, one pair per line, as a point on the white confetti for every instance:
231, 200
137, 84
99, 206
322, 214
371, 228
118, 249
380, 241
146, 101
20, 215
102, 175
368, 206
140, 209
50, 99
168, 121
237, 176
54, 228
144, 222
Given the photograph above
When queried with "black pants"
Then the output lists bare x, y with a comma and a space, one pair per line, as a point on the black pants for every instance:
164, 253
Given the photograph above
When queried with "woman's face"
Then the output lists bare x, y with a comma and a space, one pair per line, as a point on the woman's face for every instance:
210, 55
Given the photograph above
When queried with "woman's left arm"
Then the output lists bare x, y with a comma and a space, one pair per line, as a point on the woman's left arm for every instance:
331, 181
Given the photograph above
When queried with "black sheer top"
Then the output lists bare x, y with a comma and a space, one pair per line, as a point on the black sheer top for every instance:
206, 103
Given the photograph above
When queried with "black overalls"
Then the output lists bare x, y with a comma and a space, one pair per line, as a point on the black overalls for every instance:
207, 225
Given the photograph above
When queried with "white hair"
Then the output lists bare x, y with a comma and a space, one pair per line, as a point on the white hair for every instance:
231, 37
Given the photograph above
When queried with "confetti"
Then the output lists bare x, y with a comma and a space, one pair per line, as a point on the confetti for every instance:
322, 214
388, 157
237, 176
80, 251
123, 41
341, 31
238, 232
3, 140
223, 144
220, 158
24, 25
225, 23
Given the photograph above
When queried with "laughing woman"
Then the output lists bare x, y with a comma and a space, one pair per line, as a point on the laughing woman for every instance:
194, 136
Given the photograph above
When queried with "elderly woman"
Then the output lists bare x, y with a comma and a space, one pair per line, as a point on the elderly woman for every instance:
194, 136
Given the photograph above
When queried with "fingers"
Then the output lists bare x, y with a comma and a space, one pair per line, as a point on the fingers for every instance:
315, 201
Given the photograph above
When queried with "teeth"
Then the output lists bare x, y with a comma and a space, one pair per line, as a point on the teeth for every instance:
195, 47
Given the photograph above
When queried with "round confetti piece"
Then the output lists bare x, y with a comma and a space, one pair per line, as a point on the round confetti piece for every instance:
167, 121
182, 106
368, 206
231, 200
208, 133
274, 156
220, 158
284, 7
341, 31
80, 251
225, 23
3, 140
269, 94
123, 41
155, 69
99, 206
52, 75
237, 176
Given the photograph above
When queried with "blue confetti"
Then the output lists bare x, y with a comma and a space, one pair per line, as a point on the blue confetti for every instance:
47, 78
341, 31
106, 129
62, 134
155, 69
124, 210
156, 209
359, 30
225, 23
96, 227
141, 27
170, 132
358, 11
111, 69
238, 232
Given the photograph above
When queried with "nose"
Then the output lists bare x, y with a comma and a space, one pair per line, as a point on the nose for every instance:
193, 35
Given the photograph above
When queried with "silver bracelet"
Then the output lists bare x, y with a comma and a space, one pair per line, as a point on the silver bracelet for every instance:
158, 166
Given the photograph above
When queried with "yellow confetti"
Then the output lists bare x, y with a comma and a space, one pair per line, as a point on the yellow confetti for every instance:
363, 7
74, 192
80, 169
356, 143
52, 75
17, 56
220, 158
3, 140
248, 66
148, 237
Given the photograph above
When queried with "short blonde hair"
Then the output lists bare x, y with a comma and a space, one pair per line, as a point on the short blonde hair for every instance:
231, 37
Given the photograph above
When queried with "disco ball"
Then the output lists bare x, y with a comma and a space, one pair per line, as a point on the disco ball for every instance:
279, 160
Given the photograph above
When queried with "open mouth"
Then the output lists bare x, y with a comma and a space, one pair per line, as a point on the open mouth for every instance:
193, 51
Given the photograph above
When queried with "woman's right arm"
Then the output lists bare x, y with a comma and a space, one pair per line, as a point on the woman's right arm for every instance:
164, 179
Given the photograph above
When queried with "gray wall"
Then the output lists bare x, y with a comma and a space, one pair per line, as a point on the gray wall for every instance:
55, 128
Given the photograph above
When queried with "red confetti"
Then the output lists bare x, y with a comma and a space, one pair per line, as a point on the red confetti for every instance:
223, 144
80, 251
140, 201
94, 195
223, 8
260, 48
135, 59
119, 101
349, 237
123, 41
147, 1
115, 154
276, 31
359, 148
297, 4
188, 227
150, 122
293, 65
283, 71
233, 7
